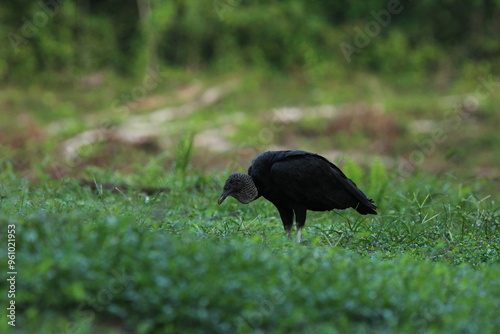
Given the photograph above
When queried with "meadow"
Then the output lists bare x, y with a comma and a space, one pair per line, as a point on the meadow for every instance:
126, 262
120, 121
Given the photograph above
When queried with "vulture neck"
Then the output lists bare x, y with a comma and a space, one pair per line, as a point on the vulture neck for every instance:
248, 192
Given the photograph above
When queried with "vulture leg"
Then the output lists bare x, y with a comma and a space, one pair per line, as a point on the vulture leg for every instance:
300, 218
286, 215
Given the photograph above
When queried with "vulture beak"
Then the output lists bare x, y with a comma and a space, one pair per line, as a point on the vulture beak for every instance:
222, 197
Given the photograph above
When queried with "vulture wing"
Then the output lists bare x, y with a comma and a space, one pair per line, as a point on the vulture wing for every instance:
310, 180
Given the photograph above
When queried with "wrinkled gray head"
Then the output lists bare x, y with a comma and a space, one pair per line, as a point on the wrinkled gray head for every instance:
241, 187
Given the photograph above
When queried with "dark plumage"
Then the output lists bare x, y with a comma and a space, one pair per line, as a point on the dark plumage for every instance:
296, 181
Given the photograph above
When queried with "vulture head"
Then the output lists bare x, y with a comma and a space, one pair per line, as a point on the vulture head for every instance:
241, 187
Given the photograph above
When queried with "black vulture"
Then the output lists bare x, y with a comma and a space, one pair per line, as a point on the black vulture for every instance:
296, 181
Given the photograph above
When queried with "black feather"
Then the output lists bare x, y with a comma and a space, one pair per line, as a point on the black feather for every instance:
296, 181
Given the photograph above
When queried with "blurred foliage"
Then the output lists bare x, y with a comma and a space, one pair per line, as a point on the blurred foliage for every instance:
77, 37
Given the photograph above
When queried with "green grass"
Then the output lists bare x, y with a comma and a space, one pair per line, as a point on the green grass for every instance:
125, 262
97, 261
